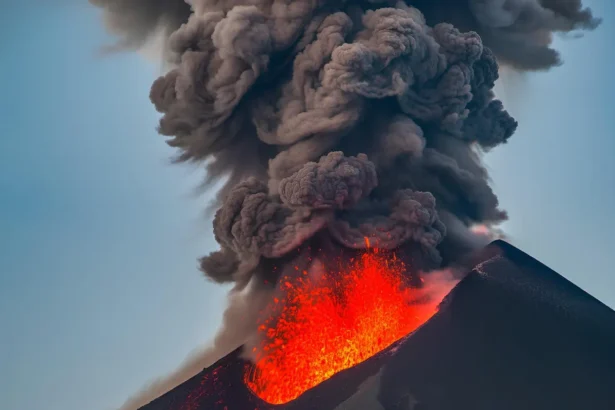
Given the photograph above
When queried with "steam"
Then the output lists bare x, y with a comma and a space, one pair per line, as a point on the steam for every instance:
335, 121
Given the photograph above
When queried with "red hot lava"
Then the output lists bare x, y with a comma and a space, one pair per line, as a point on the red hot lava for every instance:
337, 321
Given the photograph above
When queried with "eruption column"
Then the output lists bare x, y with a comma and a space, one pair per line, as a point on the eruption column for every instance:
338, 125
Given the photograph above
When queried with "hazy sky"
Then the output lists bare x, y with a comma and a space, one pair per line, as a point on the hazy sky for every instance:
99, 235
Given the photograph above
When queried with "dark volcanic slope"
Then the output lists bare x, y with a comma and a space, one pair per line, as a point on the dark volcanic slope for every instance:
512, 335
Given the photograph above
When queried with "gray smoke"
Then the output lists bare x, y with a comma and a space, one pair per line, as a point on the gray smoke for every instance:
269, 95
136, 21
520, 32
337, 120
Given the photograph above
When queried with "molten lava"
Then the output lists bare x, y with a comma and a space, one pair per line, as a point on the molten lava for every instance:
333, 322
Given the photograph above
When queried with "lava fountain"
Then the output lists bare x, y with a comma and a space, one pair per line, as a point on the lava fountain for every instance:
338, 320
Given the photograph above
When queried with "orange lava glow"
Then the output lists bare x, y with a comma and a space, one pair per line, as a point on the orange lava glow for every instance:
334, 322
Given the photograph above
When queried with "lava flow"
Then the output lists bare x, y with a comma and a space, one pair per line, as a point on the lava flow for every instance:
338, 321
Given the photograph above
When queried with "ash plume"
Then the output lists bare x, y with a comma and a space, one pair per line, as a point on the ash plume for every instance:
136, 21
520, 32
338, 123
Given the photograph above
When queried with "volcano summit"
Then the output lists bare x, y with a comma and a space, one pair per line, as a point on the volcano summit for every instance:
513, 334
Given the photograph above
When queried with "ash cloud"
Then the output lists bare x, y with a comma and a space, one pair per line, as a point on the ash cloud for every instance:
335, 120
519, 31
369, 79
136, 21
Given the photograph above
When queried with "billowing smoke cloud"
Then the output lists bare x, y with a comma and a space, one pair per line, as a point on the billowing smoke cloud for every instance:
518, 31
336, 120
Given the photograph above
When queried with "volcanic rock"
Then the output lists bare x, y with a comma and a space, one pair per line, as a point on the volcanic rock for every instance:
513, 334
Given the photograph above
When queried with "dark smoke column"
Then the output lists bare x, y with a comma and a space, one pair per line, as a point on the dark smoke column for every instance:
337, 121
285, 97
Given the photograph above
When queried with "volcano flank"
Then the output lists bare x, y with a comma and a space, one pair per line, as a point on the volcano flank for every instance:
513, 334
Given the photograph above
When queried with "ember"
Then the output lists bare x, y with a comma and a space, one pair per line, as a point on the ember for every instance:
347, 317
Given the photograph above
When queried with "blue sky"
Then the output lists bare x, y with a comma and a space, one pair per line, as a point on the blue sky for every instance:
99, 235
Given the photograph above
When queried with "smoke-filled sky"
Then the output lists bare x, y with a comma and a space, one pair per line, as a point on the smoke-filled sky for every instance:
98, 282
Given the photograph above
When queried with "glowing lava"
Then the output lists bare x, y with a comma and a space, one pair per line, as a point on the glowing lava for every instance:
330, 324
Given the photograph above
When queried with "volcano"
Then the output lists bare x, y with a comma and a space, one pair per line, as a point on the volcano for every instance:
513, 334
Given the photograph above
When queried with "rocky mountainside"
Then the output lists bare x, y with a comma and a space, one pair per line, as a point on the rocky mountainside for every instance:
513, 334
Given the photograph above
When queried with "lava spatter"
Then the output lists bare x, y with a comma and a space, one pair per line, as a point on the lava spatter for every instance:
338, 321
